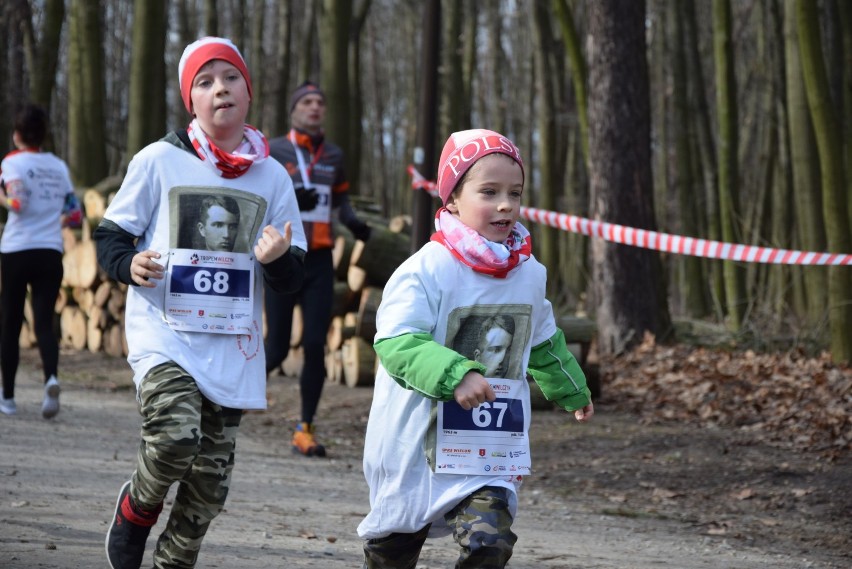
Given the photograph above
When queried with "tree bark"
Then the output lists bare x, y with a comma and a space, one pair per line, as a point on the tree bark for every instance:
579, 75
694, 281
827, 131
726, 112
42, 57
804, 162
282, 71
356, 101
257, 66
548, 180
147, 113
628, 284
451, 70
700, 119
86, 95
333, 31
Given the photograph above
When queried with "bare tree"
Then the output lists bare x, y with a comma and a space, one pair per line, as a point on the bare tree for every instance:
628, 283
356, 100
86, 94
726, 113
549, 181
827, 130
333, 30
282, 70
42, 56
147, 116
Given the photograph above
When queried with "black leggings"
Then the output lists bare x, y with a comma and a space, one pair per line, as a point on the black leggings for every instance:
42, 270
316, 297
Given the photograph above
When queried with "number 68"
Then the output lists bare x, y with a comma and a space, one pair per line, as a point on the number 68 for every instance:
204, 281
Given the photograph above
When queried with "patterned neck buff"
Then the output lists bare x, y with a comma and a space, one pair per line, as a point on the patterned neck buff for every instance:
253, 149
480, 254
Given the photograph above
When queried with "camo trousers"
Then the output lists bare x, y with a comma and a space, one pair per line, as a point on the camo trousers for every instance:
481, 525
186, 438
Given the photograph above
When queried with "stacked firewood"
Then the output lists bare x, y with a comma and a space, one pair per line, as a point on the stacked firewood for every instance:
90, 306
362, 268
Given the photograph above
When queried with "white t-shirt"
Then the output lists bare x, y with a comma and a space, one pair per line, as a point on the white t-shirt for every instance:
46, 181
432, 292
159, 201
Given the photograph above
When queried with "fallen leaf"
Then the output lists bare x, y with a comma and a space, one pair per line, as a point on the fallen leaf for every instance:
744, 494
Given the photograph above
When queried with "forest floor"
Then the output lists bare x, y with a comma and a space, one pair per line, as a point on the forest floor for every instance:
695, 459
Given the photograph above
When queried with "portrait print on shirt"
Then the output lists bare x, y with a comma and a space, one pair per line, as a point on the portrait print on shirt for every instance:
493, 335
214, 218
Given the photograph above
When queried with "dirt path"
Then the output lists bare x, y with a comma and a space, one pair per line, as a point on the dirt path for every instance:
58, 481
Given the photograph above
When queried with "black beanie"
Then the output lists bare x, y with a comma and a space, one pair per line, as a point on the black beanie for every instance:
305, 88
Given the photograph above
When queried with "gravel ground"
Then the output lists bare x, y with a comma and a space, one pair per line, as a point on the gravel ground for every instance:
59, 479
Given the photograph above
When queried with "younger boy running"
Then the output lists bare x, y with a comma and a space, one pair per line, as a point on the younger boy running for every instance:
447, 445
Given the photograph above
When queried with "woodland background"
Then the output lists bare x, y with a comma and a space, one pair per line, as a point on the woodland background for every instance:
723, 119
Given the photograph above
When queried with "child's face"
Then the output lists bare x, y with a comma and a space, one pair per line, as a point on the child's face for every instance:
489, 199
220, 98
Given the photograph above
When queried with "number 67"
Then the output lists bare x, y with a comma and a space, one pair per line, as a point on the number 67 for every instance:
482, 415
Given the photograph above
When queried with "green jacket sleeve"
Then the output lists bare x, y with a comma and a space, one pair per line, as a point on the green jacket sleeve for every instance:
557, 372
416, 361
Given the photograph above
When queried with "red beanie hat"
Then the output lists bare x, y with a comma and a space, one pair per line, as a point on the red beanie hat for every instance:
199, 53
463, 149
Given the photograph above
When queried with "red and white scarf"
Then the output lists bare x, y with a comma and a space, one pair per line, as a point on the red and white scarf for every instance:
253, 149
477, 252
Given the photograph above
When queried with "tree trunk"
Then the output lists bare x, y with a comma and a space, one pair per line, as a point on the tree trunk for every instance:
356, 101
827, 131
211, 18
147, 113
451, 70
726, 111
42, 56
782, 191
694, 282
845, 13
333, 32
804, 162
579, 75
628, 287
282, 71
547, 182
495, 79
257, 66
707, 151
86, 94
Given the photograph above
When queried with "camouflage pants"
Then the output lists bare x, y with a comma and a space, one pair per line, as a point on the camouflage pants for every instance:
481, 525
188, 439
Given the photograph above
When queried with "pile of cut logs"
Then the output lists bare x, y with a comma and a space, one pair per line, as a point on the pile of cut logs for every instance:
362, 268
89, 306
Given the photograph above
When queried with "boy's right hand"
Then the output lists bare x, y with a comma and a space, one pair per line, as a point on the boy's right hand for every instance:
473, 390
143, 268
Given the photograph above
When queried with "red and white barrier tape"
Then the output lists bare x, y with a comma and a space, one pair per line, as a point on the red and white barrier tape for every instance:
664, 242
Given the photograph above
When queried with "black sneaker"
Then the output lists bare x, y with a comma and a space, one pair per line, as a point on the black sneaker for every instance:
128, 532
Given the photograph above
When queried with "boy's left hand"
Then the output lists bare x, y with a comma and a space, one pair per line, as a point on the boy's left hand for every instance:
584, 414
272, 244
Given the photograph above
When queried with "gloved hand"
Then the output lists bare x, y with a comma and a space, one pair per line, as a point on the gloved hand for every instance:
307, 199
360, 230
